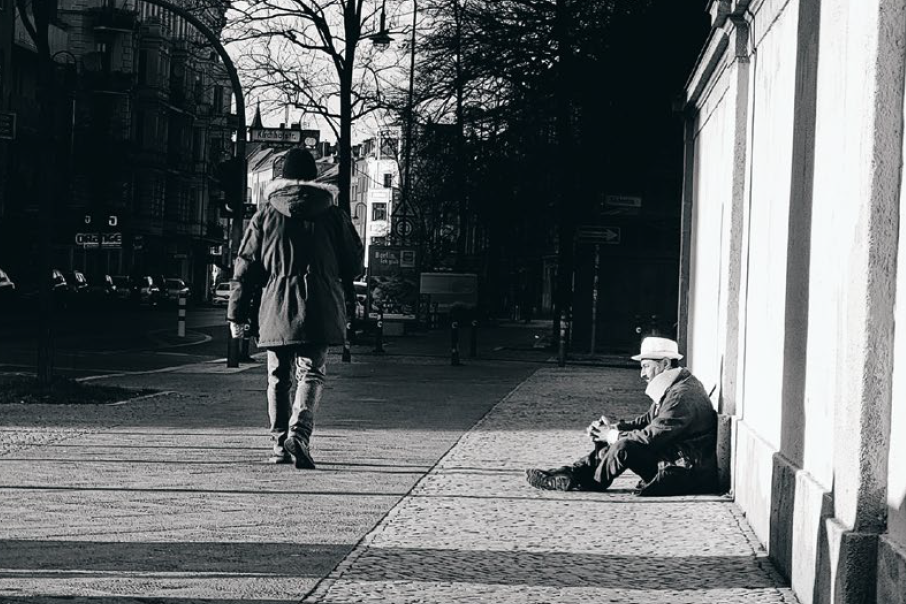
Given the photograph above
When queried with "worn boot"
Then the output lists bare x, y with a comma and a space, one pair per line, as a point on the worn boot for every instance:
559, 479
297, 442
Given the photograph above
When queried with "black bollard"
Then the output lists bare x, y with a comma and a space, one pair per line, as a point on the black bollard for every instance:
379, 337
473, 339
233, 351
454, 343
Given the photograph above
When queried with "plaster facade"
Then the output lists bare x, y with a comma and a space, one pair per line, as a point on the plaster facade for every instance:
792, 236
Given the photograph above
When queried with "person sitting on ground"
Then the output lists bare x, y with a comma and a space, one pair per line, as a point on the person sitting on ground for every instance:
672, 447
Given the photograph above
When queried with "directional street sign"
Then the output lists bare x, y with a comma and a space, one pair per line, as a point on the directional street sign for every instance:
275, 135
285, 136
599, 234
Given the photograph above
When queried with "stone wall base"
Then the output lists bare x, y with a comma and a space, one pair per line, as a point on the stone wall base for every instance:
792, 515
891, 572
852, 565
725, 431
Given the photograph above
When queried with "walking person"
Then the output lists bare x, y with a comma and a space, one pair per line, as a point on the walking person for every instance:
672, 447
297, 252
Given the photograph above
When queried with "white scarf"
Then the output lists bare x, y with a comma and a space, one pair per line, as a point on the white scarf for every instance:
659, 385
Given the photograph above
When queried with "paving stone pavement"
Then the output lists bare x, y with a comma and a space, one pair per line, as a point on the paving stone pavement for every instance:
472, 530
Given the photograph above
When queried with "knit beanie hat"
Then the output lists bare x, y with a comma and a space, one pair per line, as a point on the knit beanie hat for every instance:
298, 164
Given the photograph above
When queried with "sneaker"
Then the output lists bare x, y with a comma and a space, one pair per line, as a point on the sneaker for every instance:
301, 455
548, 481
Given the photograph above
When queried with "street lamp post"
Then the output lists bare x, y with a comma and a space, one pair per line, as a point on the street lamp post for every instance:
381, 40
407, 139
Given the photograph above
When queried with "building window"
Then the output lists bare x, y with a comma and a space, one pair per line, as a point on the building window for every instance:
143, 66
379, 211
140, 129
218, 99
388, 180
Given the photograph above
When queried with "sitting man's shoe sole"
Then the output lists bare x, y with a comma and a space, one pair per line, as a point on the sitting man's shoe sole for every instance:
300, 453
547, 481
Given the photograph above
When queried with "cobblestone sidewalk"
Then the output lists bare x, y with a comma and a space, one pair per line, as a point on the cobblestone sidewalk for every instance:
472, 530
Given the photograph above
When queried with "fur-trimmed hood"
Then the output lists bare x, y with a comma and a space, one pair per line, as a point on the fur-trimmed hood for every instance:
300, 198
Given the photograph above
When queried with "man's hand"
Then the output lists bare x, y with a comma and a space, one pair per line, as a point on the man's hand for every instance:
599, 424
237, 329
603, 434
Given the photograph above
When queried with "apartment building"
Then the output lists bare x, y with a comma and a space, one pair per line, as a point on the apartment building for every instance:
142, 116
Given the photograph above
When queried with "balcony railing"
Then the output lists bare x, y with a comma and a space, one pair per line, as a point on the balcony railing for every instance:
112, 19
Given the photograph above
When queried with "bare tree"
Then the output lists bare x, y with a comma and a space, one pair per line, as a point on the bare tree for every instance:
311, 52
509, 74
36, 16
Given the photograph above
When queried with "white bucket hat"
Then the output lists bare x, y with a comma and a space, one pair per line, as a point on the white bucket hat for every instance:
657, 349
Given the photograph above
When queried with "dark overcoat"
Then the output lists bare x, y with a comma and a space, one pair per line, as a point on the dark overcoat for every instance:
297, 252
680, 428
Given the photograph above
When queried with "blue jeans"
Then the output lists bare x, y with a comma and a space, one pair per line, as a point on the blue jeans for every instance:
308, 364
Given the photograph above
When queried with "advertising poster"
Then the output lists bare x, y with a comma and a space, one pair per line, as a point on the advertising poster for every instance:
393, 282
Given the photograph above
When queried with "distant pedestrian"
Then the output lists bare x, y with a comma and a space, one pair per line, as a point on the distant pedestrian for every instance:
672, 447
297, 252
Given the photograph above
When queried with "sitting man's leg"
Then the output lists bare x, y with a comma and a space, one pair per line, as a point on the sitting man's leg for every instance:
597, 470
578, 476
625, 455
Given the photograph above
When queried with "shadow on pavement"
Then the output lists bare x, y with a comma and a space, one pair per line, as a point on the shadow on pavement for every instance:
225, 557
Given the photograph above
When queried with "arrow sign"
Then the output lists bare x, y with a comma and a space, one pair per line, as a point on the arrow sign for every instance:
599, 234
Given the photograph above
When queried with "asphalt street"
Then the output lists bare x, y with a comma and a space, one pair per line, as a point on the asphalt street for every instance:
113, 340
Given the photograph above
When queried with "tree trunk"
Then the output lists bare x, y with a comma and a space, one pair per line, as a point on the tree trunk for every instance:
345, 142
459, 166
48, 115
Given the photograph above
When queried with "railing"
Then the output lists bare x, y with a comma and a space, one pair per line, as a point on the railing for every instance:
112, 18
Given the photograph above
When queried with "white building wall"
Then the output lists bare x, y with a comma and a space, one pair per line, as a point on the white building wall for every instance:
773, 82
820, 456
713, 174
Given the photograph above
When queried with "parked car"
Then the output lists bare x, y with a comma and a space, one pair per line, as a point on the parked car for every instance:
101, 289
176, 288
221, 295
28, 290
123, 288
78, 285
147, 291
7, 287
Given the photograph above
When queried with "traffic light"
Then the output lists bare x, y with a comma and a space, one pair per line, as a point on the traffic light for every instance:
230, 175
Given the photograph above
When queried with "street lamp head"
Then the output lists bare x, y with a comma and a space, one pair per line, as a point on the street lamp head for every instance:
381, 39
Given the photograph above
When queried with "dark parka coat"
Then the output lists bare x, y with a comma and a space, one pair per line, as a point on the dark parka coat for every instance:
297, 252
